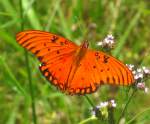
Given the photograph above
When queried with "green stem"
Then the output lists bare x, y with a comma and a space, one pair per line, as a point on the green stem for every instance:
89, 101
127, 103
111, 119
28, 71
31, 88
141, 113
88, 120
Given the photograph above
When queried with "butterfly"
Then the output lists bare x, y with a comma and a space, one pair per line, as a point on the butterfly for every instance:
71, 68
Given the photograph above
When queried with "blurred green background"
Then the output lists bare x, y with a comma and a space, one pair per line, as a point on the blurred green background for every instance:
127, 20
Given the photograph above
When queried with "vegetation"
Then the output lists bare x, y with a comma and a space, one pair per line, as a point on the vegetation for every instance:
23, 89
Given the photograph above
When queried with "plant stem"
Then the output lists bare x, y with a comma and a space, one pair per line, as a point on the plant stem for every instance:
126, 105
140, 113
28, 70
31, 88
88, 120
111, 119
89, 101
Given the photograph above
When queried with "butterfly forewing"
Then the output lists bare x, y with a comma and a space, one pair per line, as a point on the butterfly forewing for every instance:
45, 45
55, 52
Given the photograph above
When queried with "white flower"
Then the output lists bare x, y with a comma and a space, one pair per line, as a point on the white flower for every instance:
108, 42
103, 104
130, 66
133, 72
146, 89
146, 70
139, 75
110, 103
113, 103
141, 85
103, 108
100, 43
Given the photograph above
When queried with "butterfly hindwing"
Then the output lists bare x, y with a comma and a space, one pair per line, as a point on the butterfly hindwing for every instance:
97, 68
57, 72
112, 71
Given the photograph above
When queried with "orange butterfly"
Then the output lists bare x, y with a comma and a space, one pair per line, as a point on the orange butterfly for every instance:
73, 69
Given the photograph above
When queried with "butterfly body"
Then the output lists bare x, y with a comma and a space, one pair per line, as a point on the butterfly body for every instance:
73, 69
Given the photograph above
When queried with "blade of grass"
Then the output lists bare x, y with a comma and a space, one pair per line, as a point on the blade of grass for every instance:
31, 88
8, 7
88, 120
4, 35
28, 70
52, 15
6, 14
126, 105
8, 24
115, 8
64, 24
123, 38
90, 101
12, 117
11, 77
137, 115
31, 14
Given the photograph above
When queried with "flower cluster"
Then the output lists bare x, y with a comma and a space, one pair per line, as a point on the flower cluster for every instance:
108, 42
142, 86
139, 75
102, 108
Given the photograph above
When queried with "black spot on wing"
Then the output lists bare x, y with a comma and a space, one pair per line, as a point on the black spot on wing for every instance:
62, 43
107, 79
113, 79
58, 51
105, 59
97, 55
54, 38
94, 66
37, 52
101, 82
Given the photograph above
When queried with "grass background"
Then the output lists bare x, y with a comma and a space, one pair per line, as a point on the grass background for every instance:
127, 20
